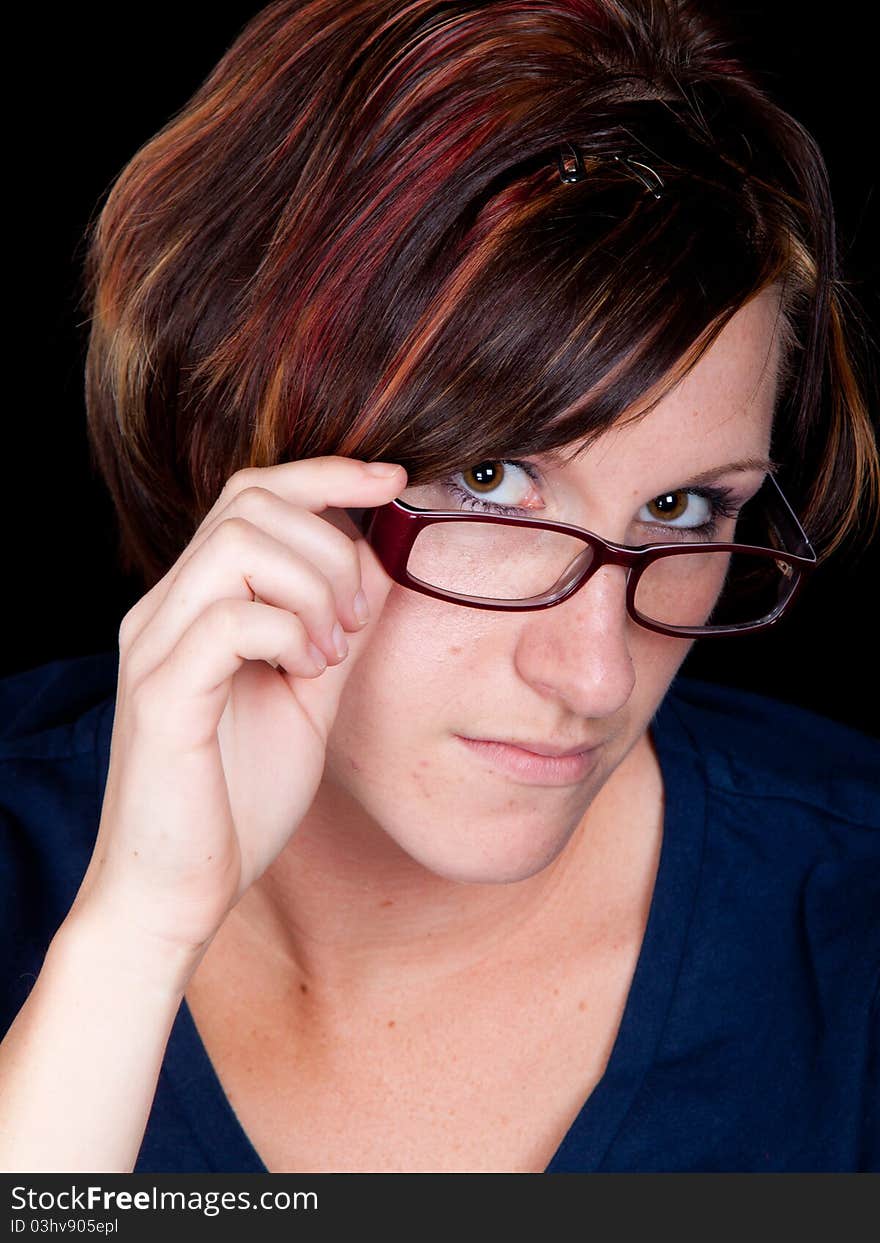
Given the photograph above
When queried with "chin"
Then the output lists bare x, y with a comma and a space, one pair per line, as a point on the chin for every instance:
487, 860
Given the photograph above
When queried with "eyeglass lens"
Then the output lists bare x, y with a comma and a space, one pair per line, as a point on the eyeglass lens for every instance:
703, 588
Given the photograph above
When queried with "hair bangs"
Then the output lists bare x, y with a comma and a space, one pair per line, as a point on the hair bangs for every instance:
355, 239
596, 303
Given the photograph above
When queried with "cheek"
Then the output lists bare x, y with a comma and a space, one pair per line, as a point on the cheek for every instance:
427, 671
410, 679
431, 670
656, 658
426, 658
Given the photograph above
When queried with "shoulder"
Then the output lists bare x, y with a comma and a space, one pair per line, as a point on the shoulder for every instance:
51, 719
786, 927
50, 723
54, 726
791, 852
765, 750
40, 707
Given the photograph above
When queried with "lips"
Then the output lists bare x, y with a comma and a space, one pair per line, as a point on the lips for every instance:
541, 748
528, 766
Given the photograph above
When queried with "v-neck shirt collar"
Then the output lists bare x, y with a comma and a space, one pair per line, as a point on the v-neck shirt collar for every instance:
204, 1109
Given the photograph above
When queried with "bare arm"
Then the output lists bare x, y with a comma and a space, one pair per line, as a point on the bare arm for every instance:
79, 1066
184, 832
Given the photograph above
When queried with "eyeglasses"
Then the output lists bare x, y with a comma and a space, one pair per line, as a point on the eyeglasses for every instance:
687, 590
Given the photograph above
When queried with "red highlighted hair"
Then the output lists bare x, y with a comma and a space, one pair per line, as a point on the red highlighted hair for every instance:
354, 239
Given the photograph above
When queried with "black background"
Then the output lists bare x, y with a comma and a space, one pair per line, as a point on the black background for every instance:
99, 79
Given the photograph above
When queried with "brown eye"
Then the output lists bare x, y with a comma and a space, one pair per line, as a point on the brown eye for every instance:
484, 476
670, 505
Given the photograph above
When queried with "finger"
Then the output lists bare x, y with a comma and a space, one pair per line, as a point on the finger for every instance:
238, 561
312, 537
319, 697
196, 673
314, 484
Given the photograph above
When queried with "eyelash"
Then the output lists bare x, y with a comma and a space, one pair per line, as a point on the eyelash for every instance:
722, 501
476, 502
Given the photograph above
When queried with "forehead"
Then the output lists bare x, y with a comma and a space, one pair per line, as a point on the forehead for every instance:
721, 410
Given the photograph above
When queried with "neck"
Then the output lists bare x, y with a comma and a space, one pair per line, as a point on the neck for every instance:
347, 918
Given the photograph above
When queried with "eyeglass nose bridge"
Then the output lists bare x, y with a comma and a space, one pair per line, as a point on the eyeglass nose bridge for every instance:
391, 530
596, 555
601, 553
393, 540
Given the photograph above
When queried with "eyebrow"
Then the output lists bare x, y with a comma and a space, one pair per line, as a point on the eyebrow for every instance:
765, 465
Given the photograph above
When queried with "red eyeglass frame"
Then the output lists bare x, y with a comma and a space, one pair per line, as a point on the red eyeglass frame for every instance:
391, 531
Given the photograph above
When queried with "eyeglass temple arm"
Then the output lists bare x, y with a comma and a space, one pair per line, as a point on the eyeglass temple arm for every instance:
791, 525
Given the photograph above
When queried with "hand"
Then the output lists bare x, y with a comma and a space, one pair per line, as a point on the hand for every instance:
224, 703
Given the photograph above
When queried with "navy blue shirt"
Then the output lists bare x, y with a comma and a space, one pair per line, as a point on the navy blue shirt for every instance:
749, 1040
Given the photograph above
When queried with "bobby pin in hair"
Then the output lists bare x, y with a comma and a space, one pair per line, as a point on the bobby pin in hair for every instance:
573, 155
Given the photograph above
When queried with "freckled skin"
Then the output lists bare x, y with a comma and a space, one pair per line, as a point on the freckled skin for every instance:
579, 671
404, 808
423, 786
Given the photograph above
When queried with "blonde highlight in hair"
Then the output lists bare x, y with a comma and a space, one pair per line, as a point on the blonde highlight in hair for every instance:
354, 239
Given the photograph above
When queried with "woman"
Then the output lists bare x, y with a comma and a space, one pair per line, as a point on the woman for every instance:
389, 844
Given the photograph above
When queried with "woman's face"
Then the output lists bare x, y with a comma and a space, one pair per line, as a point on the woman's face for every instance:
581, 672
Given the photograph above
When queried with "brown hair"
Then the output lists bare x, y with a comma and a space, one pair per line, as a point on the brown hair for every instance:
354, 239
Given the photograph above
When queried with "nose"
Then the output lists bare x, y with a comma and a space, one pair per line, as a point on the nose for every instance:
578, 651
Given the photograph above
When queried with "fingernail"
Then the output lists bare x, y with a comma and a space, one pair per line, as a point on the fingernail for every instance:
385, 469
339, 641
361, 608
317, 657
